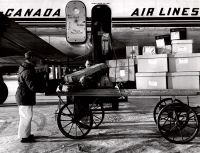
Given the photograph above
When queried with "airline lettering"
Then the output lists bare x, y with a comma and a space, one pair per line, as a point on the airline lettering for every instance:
32, 12
144, 11
166, 12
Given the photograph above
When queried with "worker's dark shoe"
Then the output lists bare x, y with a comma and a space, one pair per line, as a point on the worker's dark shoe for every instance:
28, 140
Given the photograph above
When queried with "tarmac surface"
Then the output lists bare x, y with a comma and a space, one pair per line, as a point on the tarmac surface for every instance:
129, 129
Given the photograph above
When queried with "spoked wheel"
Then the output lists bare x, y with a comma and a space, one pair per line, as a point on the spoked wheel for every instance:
98, 113
161, 104
74, 124
178, 123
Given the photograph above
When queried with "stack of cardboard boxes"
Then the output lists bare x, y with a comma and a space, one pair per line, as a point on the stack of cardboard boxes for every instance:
151, 71
184, 71
183, 63
171, 64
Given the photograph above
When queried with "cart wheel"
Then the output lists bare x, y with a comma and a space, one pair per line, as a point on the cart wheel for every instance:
178, 123
98, 114
161, 104
73, 125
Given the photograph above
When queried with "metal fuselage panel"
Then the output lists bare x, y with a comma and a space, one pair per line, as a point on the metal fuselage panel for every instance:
133, 22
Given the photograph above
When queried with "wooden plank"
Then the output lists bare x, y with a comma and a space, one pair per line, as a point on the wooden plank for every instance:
93, 93
163, 92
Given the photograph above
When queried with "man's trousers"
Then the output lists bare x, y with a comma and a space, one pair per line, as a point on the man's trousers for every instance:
25, 114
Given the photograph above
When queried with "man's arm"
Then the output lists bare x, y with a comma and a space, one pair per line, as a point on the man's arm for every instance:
30, 80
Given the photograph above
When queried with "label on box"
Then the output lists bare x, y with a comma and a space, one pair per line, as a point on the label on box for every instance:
153, 83
182, 49
122, 73
183, 61
175, 35
160, 43
152, 61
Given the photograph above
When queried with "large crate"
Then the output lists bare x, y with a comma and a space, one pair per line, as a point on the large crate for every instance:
182, 46
183, 80
184, 62
151, 81
152, 63
121, 70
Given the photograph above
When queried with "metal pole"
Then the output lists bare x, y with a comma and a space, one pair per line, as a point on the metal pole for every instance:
59, 72
54, 71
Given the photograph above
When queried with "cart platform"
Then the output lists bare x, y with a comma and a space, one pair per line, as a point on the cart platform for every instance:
131, 92
162, 92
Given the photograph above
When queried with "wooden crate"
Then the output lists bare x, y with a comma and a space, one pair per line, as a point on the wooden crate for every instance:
121, 70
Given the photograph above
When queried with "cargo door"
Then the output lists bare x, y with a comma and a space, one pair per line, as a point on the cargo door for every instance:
101, 33
76, 22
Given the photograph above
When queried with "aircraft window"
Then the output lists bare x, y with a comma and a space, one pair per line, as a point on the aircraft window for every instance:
76, 11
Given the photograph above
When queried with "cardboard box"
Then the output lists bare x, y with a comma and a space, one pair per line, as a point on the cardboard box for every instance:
162, 41
151, 81
184, 62
148, 50
152, 63
132, 51
165, 50
183, 80
120, 62
121, 70
178, 33
182, 46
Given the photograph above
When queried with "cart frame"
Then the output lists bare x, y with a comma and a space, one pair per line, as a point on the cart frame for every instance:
165, 107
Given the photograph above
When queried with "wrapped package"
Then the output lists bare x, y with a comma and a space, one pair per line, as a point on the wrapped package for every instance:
87, 77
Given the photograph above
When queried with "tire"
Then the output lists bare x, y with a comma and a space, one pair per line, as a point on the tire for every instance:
161, 104
73, 125
178, 123
3, 92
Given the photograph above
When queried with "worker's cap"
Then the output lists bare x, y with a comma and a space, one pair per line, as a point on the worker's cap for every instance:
28, 54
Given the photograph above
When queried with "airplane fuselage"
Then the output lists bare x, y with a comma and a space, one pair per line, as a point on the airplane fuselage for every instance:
134, 23
132, 20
